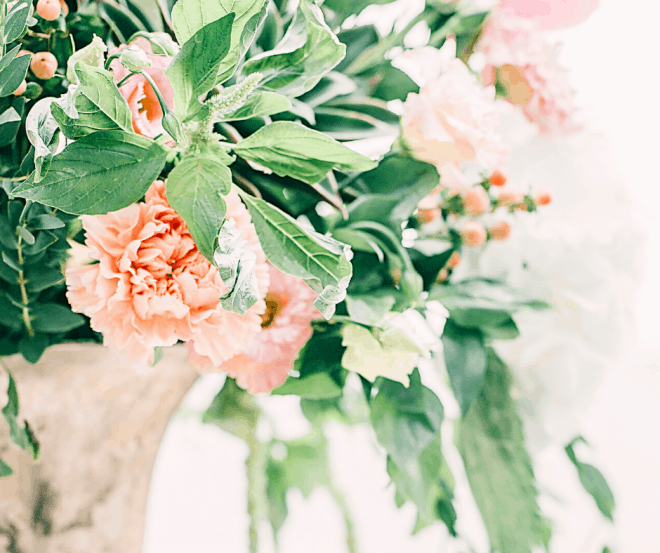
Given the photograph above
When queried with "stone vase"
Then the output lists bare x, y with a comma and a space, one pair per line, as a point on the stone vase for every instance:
99, 423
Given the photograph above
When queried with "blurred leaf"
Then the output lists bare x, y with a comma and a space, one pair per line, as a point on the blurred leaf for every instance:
369, 309
53, 318
491, 441
5, 469
594, 483
318, 385
234, 410
19, 436
32, 348
391, 83
357, 40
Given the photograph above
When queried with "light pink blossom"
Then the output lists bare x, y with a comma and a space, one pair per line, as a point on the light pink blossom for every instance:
152, 287
147, 115
268, 357
552, 14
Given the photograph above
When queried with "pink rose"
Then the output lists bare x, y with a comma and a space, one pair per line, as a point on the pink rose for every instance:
552, 14
453, 119
145, 108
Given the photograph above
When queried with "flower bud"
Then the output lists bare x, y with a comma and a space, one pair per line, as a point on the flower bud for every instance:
508, 196
162, 43
454, 260
473, 233
542, 197
476, 200
500, 230
91, 55
134, 58
497, 178
173, 126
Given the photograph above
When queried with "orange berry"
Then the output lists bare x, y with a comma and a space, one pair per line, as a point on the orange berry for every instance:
428, 215
500, 230
44, 65
65, 8
542, 197
473, 233
49, 9
497, 178
476, 200
20, 89
508, 196
454, 260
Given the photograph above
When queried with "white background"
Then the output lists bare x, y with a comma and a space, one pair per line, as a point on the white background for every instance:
198, 501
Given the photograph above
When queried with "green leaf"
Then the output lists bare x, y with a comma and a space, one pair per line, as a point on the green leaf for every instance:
10, 315
308, 51
426, 481
53, 318
491, 441
594, 483
32, 348
12, 71
349, 7
25, 234
320, 260
189, 16
15, 24
98, 173
318, 385
390, 83
369, 309
405, 420
465, 359
194, 189
43, 132
94, 105
234, 410
22, 437
429, 257
45, 222
260, 104
321, 354
40, 278
5, 469
10, 121
291, 150
236, 262
194, 69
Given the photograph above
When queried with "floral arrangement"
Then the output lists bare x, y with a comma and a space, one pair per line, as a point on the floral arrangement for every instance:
189, 172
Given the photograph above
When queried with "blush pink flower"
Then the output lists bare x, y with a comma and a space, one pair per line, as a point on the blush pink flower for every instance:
268, 357
453, 118
146, 112
152, 287
528, 70
476, 200
552, 14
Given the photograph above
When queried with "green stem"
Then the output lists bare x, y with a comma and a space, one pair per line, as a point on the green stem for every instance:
256, 488
21, 283
120, 83
351, 538
110, 59
161, 100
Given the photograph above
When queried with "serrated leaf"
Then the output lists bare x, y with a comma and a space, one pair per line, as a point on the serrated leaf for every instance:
43, 132
308, 51
194, 69
291, 150
466, 360
321, 261
236, 262
194, 189
10, 121
95, 104
260, 104
318, 385
12, 71
20, 436
98, 173
53, 318
405, 420
491, 441
188, 16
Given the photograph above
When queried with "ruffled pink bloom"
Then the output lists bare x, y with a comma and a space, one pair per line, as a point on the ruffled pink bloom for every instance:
151, 286
536, 81
146, 112
453, 119
268, 357
552, 14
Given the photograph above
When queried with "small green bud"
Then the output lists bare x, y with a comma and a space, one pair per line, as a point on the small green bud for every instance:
32, 91
173, 126
234, 97
91, 55
134, 58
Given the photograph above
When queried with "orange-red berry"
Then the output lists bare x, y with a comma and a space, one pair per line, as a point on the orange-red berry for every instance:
542, 197
509, 196
454, 260
49, 9
473, 233
500, 230
44, 65
476, 200
20, 89
497, 178
428, 215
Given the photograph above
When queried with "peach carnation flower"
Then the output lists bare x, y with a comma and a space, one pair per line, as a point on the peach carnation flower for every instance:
453, 118
146, 112
268, 357
529, 70
152, 287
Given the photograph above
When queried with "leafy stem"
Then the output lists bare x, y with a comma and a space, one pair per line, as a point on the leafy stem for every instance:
351, 538
21, 283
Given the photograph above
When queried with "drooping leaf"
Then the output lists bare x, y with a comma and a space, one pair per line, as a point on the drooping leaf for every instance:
189, 16
33, 347
234, 410
320, 260
194, 69
194, 189
19, 436
12, 71
308, 51
236, 262
98, 173
43, 133
594, 483
95, 104
465, 359
291, 150
491, 441
405, 420
318, 385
